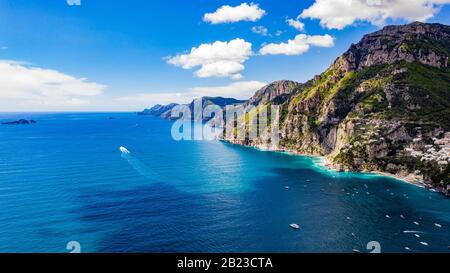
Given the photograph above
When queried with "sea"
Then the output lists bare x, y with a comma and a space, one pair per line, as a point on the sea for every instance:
65, 185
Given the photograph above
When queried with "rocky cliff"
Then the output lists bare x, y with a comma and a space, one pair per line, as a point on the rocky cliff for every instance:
275, 93
384, 105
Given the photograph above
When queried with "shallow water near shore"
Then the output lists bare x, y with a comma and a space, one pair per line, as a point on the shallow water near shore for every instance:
64, 179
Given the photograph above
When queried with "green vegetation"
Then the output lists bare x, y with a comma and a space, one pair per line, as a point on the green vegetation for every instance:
429, 87
441, 47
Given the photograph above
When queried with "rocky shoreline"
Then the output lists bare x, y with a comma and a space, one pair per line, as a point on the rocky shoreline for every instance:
412, 179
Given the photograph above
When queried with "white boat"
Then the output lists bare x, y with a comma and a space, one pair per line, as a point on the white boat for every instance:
424, 243
417, 235
412, 231
294, 226
407, 248
124, 150
438, 225
287, 187
416, 223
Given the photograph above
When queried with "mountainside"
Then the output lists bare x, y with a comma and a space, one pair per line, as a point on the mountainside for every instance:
158, 110
384, 105
165, 111
275, 93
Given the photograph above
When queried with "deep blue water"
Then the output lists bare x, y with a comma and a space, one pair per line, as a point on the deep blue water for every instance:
64, 179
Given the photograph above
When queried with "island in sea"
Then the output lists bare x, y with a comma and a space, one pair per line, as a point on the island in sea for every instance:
383, 106
19, 122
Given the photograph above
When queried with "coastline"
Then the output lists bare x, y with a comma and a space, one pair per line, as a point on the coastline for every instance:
410, 179
325, 163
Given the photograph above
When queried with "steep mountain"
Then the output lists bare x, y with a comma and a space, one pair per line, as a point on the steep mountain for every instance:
275, 93
219, 101
210, 101
384, 105
165, 111
158, 110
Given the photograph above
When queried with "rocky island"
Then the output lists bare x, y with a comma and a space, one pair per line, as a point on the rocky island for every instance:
19, 122
383, 106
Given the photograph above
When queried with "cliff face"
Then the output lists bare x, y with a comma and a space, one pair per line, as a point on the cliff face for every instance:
425, 43
384, 105
275, 93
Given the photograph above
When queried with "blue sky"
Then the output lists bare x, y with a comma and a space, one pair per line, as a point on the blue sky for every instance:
96, 55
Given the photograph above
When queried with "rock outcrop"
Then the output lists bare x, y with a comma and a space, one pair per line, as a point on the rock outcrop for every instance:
425, 43
275, 93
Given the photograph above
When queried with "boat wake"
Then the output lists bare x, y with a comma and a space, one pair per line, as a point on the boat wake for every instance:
137, 164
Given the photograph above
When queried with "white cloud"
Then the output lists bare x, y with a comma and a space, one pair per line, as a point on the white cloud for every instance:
260, 30
227, 14
24, 87
219, 59
320, 40
297, 46
238, 90
74, 2
279, 32
295, 24
337, 14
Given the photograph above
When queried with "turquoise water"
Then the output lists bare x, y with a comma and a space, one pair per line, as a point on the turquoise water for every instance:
64, 179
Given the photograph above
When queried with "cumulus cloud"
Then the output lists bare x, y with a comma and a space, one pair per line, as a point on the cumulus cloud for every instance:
219, 59
24, 87
238, 90
320, 40
295, 24
297, 46
74, 2
337, 14
261, 30
227, 14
